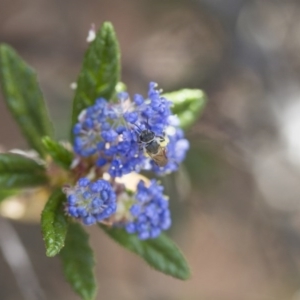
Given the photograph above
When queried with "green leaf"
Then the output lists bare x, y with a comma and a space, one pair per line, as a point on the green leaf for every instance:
100, 71
160, 253
54, 223
78, 262
7, 193
24, 97
18, 171
187, 104
58, 152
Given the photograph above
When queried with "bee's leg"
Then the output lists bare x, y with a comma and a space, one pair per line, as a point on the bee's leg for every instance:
163, 140
141, 146
146, 153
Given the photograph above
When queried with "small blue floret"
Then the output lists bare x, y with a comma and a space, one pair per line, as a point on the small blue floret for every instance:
91, 201
150, 213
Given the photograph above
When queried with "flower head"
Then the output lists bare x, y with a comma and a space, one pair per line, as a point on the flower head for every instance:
91, 201
110, 131
150, 213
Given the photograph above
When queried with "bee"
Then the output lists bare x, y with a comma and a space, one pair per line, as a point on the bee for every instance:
154, 146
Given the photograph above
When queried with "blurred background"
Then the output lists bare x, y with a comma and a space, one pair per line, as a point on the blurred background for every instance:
237, 209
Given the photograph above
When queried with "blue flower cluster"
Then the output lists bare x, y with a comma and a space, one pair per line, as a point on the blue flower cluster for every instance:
110, 131
91, 201
150, 213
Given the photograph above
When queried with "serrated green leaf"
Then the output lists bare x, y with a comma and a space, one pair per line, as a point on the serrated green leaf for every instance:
160, 253
187, 105
78, 262
18, 171
58, 152
100, 71
24, 97
54, 223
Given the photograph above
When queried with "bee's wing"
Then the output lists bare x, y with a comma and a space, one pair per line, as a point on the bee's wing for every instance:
160, 158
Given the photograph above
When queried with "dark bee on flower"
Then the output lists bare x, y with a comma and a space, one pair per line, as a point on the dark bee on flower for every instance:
154, 146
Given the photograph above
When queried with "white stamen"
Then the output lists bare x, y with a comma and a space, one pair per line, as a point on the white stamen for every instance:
92, 34
81, 116
170, 130
73, 86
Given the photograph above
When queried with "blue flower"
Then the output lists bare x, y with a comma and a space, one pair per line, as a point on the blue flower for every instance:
91, 201
150, 214
110, 132
88, 130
